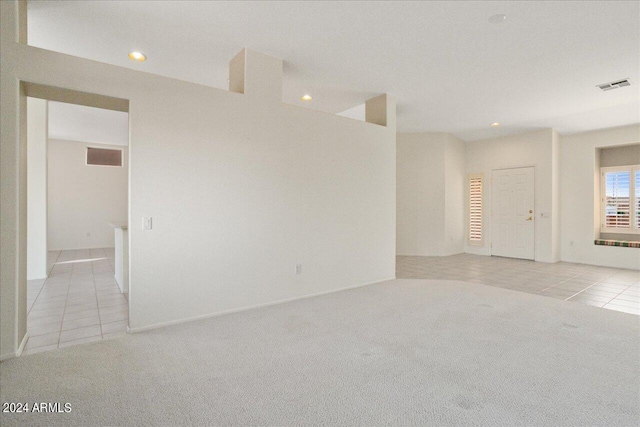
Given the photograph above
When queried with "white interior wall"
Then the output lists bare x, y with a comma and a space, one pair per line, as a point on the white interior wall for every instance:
528, 149
420, 194
84, 199
580, 205
241, 188
556, 200
567, 186
72, 122
455, 179
594, 198
430, 194
356, 113
37, 189
620, 156
249, 189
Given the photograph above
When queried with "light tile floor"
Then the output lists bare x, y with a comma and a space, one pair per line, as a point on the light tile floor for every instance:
611, 288
79, 302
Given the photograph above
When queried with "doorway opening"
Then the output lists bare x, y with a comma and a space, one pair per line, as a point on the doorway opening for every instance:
77, 211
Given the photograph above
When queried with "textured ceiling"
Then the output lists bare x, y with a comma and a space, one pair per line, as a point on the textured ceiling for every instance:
87, 124
450, 69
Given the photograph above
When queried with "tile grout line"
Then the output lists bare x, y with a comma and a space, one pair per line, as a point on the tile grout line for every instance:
67, 300
588, 287
408, 267
80, 327
621, 292
41, 288
575, 277
93, 278
66, 305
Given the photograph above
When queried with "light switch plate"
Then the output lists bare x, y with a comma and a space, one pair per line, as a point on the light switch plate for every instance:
146, 223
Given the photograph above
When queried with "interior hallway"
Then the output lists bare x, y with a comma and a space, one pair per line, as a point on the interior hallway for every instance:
611, 288
80, 301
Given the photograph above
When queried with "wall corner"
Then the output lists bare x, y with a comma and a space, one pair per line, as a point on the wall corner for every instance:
255, 74
381, 110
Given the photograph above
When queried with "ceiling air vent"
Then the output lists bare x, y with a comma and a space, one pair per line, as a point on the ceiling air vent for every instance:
615, 84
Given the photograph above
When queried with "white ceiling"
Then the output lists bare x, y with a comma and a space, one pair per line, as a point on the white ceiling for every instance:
87, 124
450, 69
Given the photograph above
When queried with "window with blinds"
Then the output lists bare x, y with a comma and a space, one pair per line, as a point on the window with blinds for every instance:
637, 192
475, 209
620, 198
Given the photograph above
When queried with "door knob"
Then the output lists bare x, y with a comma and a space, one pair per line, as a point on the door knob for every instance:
530, 218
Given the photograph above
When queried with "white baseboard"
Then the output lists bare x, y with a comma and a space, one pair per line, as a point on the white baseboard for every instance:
109, 246
22, 344
251, 307
432, 255
451, 253
16, 353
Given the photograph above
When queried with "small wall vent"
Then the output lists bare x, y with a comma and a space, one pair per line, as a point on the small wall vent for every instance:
615, 84
103, 157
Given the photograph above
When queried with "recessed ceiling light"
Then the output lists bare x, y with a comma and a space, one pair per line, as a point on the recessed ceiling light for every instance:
137, 56
497, 19
495, 124
306, 97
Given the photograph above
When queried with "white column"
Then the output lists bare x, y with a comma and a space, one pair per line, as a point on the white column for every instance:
36, 188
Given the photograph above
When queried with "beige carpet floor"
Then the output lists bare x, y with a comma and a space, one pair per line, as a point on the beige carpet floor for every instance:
404, 352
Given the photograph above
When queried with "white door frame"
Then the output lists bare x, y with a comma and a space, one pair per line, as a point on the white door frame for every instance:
535, 205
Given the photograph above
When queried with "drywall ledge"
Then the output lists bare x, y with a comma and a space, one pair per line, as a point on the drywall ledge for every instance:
88, 99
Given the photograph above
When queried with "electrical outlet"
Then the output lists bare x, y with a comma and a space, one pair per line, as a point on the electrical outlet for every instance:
298, 268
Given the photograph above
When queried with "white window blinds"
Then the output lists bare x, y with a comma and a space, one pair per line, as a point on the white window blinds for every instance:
475, 209
617, 207
637, 185
620, 198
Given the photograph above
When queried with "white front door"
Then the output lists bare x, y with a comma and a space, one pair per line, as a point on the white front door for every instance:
512, 215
